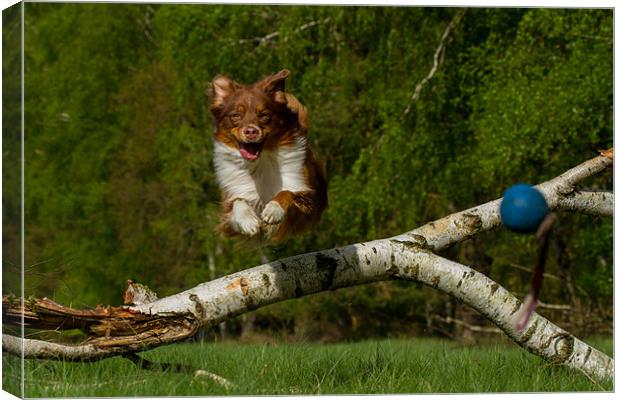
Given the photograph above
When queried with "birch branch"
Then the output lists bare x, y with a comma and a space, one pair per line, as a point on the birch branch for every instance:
540, 336
408, 256
529, 270
266, 38
595, 203
460, 226
469, 327
562, 307
546, 275
40, 349
437, 59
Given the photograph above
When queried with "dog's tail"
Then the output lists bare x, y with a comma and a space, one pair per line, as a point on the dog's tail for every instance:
295, 106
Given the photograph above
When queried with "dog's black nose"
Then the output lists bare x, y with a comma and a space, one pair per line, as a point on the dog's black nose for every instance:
250, 132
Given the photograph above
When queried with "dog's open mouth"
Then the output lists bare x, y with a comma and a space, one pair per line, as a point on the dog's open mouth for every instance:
250, 151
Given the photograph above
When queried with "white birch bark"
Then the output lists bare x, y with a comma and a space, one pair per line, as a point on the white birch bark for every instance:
408, 256
596, 203
33, 348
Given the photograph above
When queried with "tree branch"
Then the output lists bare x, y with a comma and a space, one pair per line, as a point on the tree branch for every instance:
114, 330
437, 59
460, 226
409, 256
595, 203
540, 336
562, 307
272, 35
469, 327
47, 350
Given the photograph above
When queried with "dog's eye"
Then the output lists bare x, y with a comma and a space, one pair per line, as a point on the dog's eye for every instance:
235, 116
264, 117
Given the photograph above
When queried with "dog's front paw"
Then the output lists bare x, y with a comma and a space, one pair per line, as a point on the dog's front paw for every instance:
273, 213
243, 219
248, 227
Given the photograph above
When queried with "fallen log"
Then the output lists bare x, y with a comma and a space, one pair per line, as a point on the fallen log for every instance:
410, 256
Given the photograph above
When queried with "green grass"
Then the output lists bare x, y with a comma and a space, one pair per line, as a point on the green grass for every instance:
387, 366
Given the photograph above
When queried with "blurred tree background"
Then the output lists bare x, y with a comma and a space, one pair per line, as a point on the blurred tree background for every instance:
119, 180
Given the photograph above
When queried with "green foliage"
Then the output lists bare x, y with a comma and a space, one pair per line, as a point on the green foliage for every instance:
119, 177
11, 149
549, 89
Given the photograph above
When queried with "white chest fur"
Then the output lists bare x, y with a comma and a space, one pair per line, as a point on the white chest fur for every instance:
259, 181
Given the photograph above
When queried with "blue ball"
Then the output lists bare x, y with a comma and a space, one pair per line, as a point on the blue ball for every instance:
523, 208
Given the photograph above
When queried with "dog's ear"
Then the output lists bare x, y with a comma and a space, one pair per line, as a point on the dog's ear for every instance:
222, 87
274, 85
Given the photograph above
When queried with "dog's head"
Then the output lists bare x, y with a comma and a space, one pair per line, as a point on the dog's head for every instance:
254, 117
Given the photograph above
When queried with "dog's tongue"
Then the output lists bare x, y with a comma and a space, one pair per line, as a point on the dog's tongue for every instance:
249, 151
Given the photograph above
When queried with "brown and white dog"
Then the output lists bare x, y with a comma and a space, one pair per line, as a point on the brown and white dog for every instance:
272, 185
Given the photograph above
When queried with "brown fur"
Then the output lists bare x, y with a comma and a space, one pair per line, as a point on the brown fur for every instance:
280, 116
